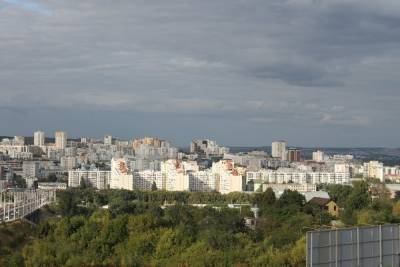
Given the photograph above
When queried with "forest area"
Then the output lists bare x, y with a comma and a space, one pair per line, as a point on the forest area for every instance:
158, 228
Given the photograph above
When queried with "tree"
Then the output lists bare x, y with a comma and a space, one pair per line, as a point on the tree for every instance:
67, 205
290, 197
264, 198
359, 197
51, 178
154, 186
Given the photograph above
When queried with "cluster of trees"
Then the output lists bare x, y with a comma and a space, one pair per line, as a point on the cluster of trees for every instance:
365, 205
137, 230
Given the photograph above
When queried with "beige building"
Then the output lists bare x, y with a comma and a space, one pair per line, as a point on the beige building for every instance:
61, 140
38, 138
278, 150
374, 169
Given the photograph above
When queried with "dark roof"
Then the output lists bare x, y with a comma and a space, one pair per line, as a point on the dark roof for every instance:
319, 201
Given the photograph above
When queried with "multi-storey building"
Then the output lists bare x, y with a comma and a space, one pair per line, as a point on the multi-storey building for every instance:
278, 149
227, 177
318, 156
96, 178
290, 175
373, 169
30, 169
19, 141
301, 188
68, 163
175, 175
202, 181
121, 176
294, 155
207, 148
61, 140
143, 180
108, 140
38, 138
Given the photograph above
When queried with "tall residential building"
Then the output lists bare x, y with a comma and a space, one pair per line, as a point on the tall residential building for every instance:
108, 140
68, 163
175, 175
95, 178
30, 169
374, 169
207, 148
38, 138
143, 180
61, 139
121, 177
279, 149
19, 141
227, 177
318, 156
294, 155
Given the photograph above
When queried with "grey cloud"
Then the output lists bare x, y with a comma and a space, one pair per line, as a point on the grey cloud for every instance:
266, 66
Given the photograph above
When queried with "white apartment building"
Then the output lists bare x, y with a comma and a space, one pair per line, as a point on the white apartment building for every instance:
289, 175
52, 186
207, 147
301, 188
227, 178
175, 176
19, 141
373, 169
121, 177
278, 150
108, 140
38, 138
15, 151
68, 163
143, 180
61, 140
95, 178
318, 156
201, 181
30, 169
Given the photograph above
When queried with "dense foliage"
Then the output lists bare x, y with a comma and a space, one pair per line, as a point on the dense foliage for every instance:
158, 228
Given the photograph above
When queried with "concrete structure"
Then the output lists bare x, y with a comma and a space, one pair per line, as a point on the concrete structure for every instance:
95, 178
202, 181
38, 138
19, 141
143, 180
52, 186
68, 163
207, 148
374, 169
301, 188
278, 150
294, 155
108, 140
60, 140
227, 177
30, 169
290, 175
175, 176
121, 177
16, 205
318, 156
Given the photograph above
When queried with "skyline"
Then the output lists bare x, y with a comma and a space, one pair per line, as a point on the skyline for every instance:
316, 73
51, 136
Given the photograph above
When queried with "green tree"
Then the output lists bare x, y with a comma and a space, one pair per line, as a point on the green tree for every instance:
154, 186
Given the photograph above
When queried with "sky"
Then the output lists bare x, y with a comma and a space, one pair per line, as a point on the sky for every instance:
242, 72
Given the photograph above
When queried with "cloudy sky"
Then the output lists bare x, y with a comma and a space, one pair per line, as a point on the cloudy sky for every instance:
243, 72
